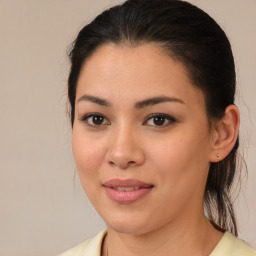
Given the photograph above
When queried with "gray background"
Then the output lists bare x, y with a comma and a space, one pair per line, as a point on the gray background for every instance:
43, 208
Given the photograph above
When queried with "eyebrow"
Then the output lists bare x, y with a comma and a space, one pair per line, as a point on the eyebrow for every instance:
94, 99
157, 100
138, 105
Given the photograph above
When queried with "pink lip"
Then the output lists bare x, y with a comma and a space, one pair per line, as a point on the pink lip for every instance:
126, 197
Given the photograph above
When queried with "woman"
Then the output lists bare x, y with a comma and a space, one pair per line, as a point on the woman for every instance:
155, 130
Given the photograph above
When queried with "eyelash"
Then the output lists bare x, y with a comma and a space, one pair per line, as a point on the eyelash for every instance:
86, 117
166, 117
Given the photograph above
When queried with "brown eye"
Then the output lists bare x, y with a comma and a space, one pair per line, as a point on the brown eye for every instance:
95, 120
160, 120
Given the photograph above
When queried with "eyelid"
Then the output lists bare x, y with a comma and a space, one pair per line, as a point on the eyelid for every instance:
85, 117
170, 118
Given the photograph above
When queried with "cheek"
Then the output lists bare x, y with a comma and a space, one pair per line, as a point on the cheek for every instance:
88, 155
180, 148
182, 159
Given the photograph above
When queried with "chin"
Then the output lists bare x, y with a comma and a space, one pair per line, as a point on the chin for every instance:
128, 229
132, 225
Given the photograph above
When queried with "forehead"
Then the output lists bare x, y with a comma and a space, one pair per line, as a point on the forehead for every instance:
120, 71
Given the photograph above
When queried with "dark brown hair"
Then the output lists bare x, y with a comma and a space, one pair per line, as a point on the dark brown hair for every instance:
190, 35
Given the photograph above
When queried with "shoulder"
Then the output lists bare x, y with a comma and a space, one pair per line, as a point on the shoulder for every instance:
230, 245
90, 247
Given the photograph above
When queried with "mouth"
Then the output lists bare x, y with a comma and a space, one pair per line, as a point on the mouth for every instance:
126, 188
126, 191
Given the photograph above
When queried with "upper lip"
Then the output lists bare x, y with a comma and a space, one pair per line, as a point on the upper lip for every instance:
114, 183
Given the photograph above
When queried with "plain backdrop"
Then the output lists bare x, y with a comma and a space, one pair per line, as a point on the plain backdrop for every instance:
43, 209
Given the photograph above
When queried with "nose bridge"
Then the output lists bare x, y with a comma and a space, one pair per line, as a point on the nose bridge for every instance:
124, 149
123, 135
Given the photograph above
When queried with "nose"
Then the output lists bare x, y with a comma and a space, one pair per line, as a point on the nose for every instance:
124, 150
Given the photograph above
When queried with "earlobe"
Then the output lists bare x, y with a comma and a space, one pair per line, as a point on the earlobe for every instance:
225, 134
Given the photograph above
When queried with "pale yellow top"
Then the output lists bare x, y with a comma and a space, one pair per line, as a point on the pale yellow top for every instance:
229, 245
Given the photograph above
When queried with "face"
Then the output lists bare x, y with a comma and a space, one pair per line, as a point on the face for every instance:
141, 138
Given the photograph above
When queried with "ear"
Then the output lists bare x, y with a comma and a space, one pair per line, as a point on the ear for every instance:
225, 134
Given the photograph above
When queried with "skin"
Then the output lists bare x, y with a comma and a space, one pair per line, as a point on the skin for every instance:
129, 144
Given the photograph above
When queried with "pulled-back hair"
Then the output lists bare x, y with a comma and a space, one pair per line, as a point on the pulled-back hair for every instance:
191, 36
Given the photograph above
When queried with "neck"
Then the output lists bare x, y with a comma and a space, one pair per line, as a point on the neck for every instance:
184, 238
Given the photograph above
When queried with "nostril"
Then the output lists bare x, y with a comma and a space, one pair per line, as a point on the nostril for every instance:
122, 165
111, 163
131, 162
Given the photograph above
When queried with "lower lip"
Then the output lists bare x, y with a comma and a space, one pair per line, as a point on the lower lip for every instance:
126, 197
